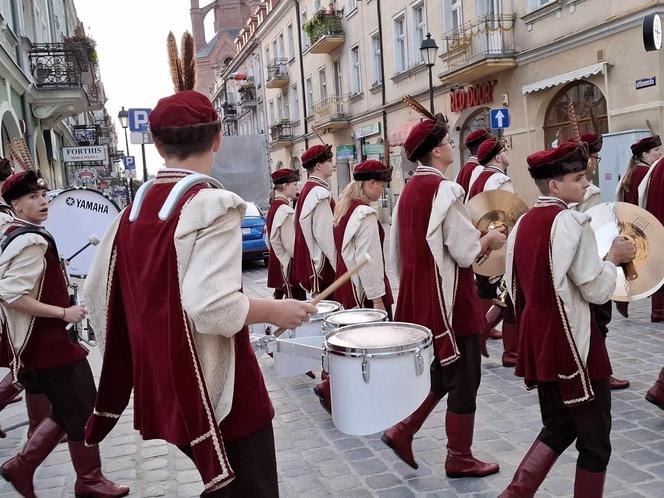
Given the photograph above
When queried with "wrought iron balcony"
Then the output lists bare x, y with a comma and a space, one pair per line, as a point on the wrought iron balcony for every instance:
332, 113
281, 134
247, 93
479, 48
53, 65
325, 32
229, 110
277, 74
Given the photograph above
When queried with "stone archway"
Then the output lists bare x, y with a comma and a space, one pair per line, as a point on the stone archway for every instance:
479, 118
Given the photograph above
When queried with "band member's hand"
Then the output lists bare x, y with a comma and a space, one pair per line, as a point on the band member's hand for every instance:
378, 304
290, 313
74, 314
495, 239
622, 251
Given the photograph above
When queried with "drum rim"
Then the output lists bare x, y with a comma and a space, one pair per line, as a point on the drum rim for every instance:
383, 313
69, 189
317, 317
377, 352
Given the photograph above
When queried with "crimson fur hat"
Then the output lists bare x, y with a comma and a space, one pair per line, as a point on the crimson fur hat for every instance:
285, 175
476, 137
646, 144
316, 154
566, 158
372, 170
22, 183
489, 149
184, 108
424, 137
5, 169
593, 140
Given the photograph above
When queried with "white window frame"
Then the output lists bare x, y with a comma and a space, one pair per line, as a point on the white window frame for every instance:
279, 107
294, 104
448, 7
376, 73
275, 50
281, 44
355, 62
417, 57
322, 84
270, 108
535, 4
352, 5
315, 6
306, 43
403, 38
309, 92
291, 41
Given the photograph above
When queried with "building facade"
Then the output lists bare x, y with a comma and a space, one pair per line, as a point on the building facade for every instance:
338, 72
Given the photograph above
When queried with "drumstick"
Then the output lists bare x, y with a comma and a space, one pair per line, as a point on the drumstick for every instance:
364, 259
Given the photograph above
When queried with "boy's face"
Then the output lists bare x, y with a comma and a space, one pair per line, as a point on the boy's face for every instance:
570, 188
32, 207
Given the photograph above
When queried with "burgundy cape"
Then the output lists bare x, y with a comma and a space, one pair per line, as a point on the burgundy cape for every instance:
465, 173
302, 271
480, 183
632, 196
547, 352
150, 348
655, 200
420, 291
276, 277
346, 294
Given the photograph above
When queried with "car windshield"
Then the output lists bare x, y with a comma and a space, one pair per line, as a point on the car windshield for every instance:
252, 210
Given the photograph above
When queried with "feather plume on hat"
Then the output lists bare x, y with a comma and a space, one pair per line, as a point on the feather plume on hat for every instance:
182, 64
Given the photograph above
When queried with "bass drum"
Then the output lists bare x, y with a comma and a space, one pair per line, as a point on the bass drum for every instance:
74, 215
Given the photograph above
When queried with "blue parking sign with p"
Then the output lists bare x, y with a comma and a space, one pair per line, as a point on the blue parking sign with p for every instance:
129, 162
138, 120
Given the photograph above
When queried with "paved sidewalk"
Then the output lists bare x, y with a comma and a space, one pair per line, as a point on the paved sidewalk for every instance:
316, 460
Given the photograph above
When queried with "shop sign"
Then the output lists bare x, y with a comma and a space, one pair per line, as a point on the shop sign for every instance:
94, 153
471, 97
86, 176
345, 152
373, 149
646, 82
367, 131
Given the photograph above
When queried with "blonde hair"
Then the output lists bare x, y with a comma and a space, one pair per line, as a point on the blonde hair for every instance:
631, 166
352, 191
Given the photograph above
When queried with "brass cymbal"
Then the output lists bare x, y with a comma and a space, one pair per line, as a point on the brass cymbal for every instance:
494, 209
612, 219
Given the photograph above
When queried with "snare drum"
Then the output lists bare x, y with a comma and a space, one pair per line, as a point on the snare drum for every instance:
353, 316
379, 374
314, 326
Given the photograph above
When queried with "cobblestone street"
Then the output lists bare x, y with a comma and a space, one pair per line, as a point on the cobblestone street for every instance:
315, 460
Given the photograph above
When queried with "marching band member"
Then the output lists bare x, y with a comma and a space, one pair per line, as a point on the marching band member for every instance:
472, 141
601, 313
644, 154
281, 235
433, 245
494, 157
35, 305
194, 374
553, 273
651, 199
315, 257
357, 231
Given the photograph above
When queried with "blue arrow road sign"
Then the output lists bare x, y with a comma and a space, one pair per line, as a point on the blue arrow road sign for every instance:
500, 118
138, 119
129, 162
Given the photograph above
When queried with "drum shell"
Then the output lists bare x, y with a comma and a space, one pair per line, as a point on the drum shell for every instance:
394, 388
329, 325
314, 326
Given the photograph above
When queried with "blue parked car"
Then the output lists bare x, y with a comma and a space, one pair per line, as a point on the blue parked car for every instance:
254, 235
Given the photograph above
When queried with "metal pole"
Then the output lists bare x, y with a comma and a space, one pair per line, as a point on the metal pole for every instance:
126, 143
130, 190
145, 166
430, 90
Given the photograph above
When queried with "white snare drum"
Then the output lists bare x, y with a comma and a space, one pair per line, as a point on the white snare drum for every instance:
73, 216
314, 325
353, 316
379, 374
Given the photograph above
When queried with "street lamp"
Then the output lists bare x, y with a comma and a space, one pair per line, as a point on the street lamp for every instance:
428, 49
123, 116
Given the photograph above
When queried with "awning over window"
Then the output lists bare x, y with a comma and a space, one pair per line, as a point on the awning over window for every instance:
561, 79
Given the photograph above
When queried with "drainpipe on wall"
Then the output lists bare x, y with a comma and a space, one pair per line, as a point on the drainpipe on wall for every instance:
302, 86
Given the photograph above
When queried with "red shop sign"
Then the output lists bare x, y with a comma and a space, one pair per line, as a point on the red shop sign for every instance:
475, 95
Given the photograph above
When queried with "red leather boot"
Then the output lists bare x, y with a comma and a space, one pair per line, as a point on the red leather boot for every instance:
492, 332
399, 437
657, 314
623, 308
460, 461
589, 484
656, 393
39, 407
510, 344
532, 470
616, 384
8, 392
90, 482
20, 469
322, 390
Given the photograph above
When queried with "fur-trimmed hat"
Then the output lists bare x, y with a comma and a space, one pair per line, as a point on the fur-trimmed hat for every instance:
316, 154
475, 138
5, 169
285, 175
646, 144
372, 170
566, 158
593, 140
184, 108
22, 183
424, 137
489, 149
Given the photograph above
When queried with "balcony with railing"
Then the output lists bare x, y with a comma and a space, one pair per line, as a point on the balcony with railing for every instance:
281, 134
479, 48
325, 31
277, 74
247, 93
332, 113
54, 66
229, 111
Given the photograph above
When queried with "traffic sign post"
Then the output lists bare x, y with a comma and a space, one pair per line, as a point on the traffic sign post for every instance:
139, 123
129, 162
500, 118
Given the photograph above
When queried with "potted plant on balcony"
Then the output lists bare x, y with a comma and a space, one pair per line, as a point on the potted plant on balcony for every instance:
324, 24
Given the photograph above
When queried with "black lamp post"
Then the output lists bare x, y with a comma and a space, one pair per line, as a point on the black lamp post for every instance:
123, 116
429, 50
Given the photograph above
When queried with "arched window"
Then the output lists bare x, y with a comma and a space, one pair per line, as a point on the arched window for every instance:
479, 119
588, 101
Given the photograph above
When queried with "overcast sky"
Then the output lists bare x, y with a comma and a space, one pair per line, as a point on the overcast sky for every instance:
131, 43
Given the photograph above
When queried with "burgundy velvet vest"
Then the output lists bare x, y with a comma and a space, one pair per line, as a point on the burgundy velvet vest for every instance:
302, 267
655, 201
275, 273
463, 178
48, 344
546, 351
346, 294
480, 183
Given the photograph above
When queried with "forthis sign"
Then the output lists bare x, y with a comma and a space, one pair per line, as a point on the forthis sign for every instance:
476, 95
94, 153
